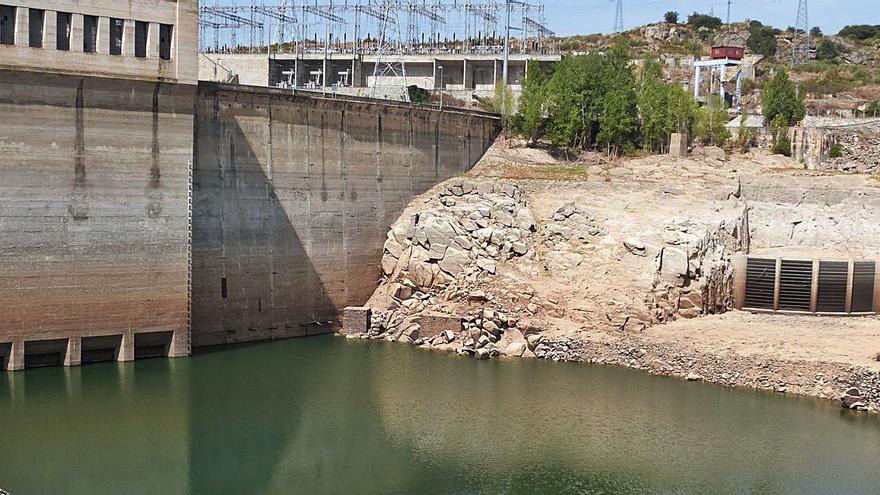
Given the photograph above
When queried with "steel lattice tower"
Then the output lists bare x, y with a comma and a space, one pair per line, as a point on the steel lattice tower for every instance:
618, 17
800, 47
389, 53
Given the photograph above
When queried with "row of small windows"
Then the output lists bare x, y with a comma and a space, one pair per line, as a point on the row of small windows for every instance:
64, 21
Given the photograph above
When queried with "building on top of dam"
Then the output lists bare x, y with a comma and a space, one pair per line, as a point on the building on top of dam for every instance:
153, 40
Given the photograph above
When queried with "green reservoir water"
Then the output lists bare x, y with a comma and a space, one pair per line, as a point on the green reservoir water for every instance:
326, 415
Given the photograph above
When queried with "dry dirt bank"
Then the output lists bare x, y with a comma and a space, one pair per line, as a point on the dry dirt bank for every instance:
628, 263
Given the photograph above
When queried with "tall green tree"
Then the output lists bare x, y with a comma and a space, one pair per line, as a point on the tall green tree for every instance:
531, 103
502, 103
780, 96
683, 110
671, 17
711, 119
574, 100
618, 123
654, 108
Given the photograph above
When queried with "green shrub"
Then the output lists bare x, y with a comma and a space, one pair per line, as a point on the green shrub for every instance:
417, 94
860, 32
709, 22
762, 40
780, 97
836, 151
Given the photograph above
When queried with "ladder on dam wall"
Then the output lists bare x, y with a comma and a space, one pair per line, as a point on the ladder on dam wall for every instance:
825, 287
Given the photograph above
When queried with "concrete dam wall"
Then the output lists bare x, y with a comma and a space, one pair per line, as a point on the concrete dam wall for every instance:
293, 196
135, 215
94, 217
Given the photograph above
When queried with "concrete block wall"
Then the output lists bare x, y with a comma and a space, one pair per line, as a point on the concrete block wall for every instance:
94, 210
293, 196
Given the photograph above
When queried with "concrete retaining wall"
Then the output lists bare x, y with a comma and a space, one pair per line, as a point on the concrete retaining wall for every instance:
94, 209
293, 196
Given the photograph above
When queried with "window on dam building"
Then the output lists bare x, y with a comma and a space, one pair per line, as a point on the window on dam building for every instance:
141, 31
165, 35
117, 27
62, 36
7, 25
90, 33
36, 21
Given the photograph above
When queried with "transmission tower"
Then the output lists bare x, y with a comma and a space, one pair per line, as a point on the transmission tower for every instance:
618, 17
800, 46
389, 53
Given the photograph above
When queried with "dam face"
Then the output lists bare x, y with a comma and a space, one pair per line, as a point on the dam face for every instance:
141, 218
293, 196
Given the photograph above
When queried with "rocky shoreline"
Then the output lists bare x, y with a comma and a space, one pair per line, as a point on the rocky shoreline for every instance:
601, 270
857, 388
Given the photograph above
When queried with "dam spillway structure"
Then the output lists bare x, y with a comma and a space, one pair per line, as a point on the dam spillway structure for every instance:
144, 213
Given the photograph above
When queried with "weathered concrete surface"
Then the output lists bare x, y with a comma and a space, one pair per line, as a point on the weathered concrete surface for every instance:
293, 196
94, 208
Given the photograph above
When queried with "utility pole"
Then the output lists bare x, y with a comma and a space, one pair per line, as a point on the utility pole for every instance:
506, 42
800, 46
728, 14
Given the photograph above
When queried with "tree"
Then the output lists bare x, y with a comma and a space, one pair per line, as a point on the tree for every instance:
781, 97
828, 51
744, 136
762, 39
779, 131
683, 111
710, 123
860, 32
531, 103
709, 22
574, 100
502, 103
816, 32
671, 17
653, 106
618, 122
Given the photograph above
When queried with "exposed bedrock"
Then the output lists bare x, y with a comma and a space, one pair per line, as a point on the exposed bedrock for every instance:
473, 245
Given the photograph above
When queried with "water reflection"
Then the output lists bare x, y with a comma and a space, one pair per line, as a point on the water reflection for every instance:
324, 415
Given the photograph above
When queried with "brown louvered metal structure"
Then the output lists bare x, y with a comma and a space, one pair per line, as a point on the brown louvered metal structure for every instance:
864, 273
795, 285
760, 283
833, 282
831, 287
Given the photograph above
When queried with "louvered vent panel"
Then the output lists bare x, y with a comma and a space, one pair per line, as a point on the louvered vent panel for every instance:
863, 287
795, 282
760, 281
833, 276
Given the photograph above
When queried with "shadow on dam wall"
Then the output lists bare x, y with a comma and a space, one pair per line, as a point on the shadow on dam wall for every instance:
293, 196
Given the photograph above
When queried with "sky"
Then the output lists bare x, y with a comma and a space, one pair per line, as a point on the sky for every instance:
567, 17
